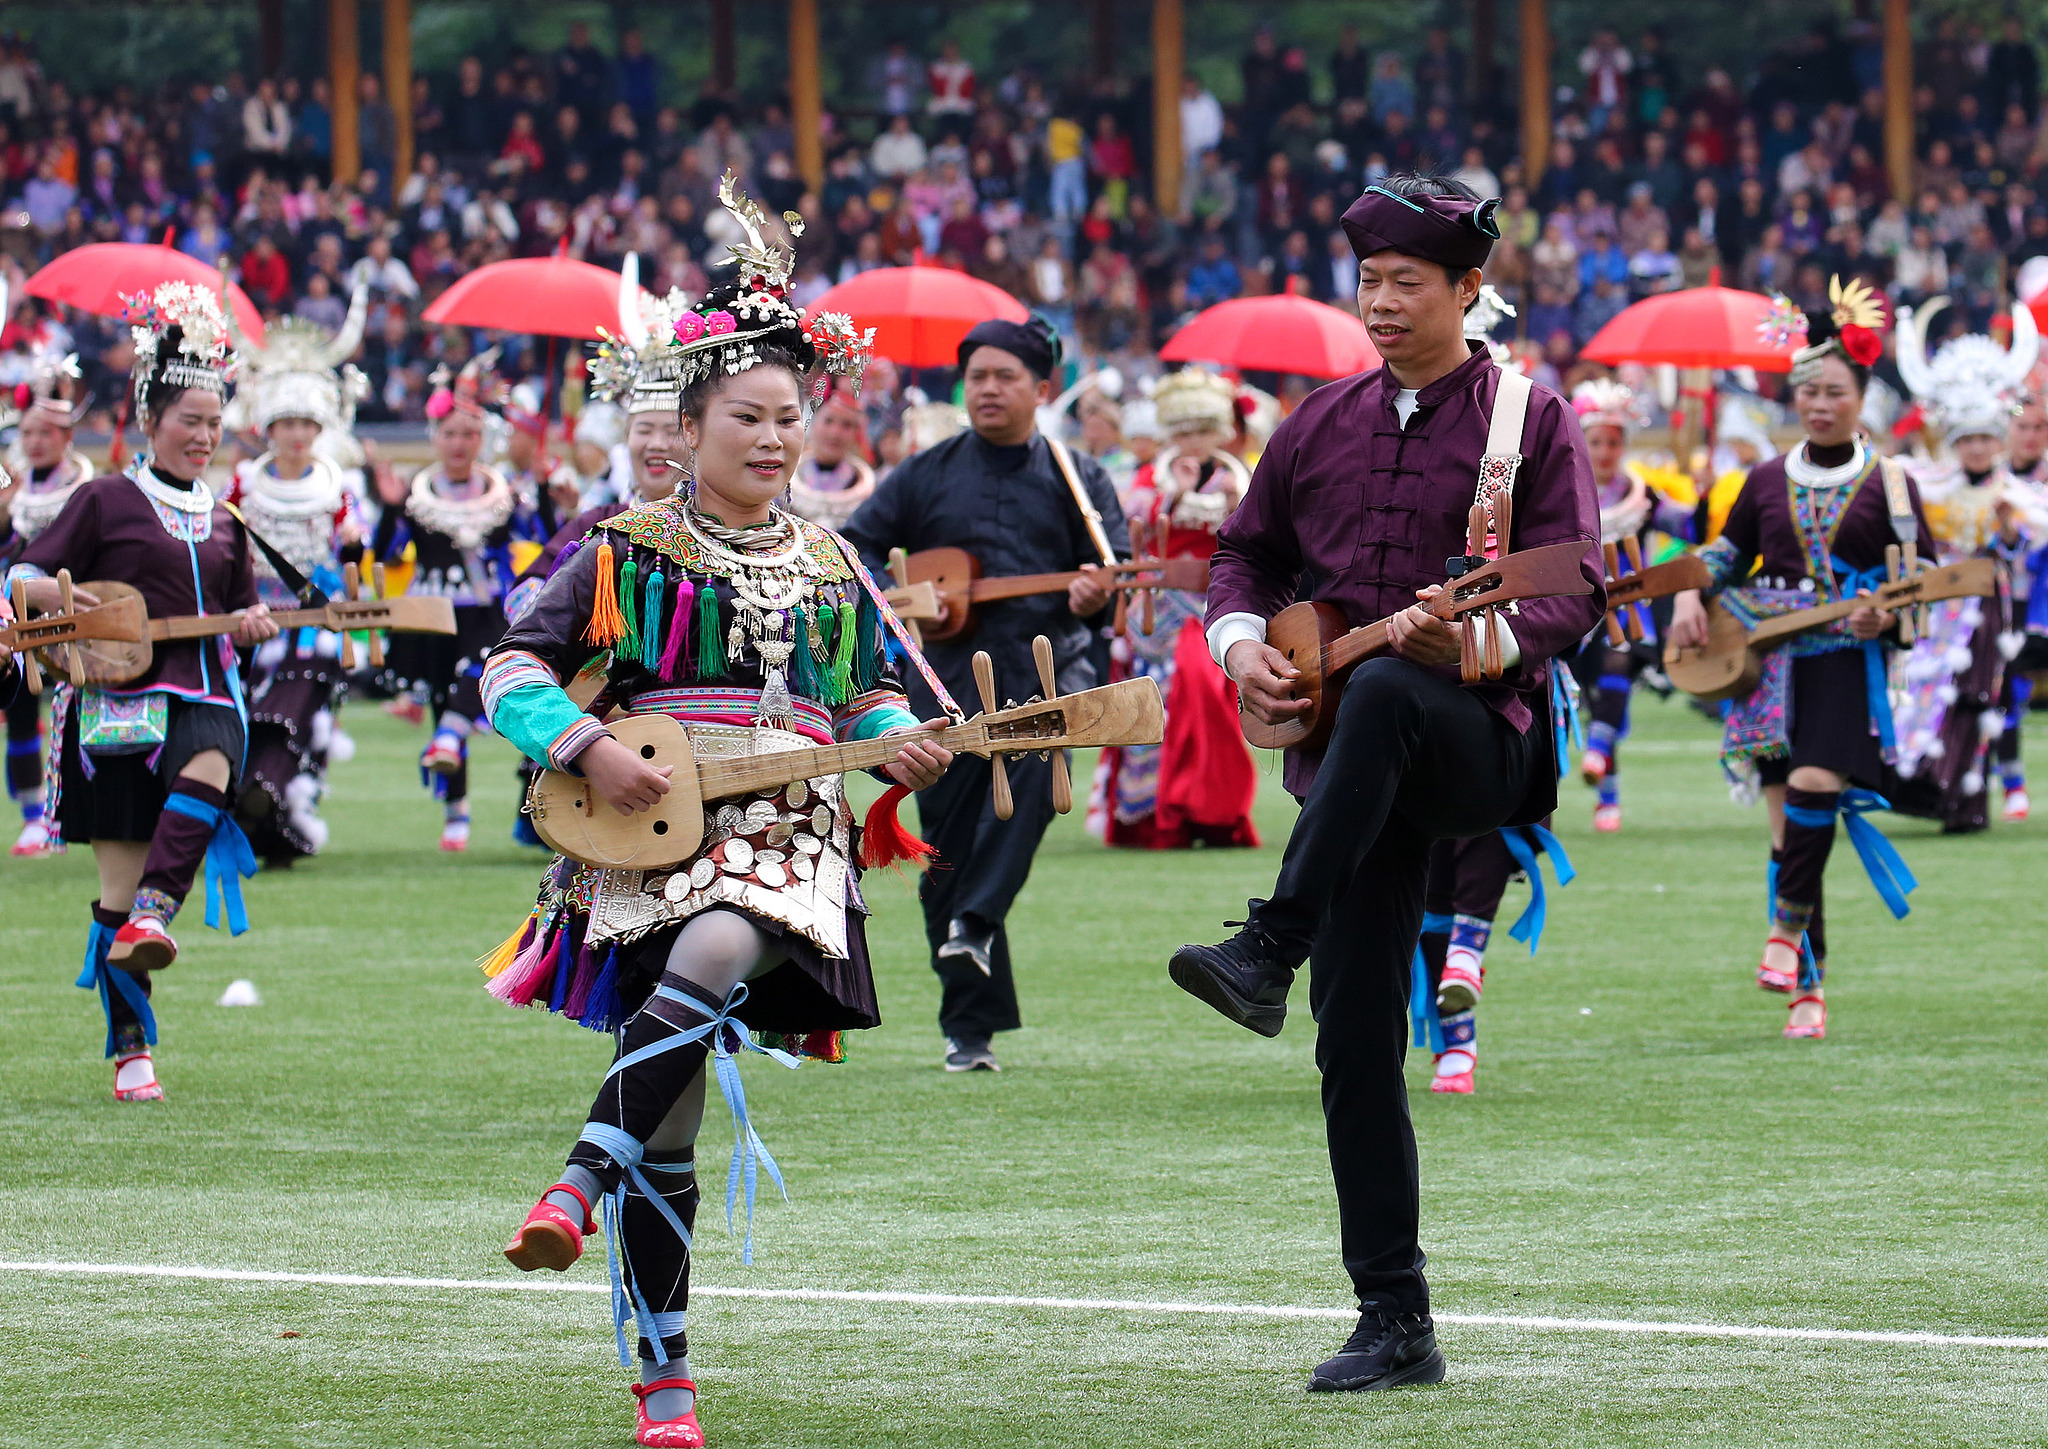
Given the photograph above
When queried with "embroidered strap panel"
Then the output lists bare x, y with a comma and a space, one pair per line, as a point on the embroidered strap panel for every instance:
1817, 515
661, 528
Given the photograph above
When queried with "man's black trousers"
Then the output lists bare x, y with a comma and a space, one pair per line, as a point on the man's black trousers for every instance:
1414, 758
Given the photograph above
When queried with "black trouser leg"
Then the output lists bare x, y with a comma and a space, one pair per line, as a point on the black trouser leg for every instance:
25, 750
1807, 847
1414, 759
637, 1099
983, 862
657, 1259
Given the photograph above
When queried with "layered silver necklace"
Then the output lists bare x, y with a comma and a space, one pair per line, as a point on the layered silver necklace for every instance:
770, 573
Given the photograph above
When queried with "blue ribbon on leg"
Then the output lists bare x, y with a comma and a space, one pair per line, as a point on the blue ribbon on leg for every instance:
109, 979
1887, 869
1429, 1027
229, 861
1524, 843
1809, 965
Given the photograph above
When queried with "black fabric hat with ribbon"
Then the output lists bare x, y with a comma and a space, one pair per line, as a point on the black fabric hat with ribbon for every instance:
1452, 231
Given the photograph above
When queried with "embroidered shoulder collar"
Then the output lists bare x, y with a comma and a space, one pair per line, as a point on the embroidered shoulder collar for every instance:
468, 521
198, 499
659, 526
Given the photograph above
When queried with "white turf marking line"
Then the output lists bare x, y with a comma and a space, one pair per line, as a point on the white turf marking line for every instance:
1075, 1305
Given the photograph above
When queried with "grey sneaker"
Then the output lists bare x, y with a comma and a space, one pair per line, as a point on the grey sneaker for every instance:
970, 1054
966, 943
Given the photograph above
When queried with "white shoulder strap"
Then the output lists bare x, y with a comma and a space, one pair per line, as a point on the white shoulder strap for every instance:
1510, 411
1090, 514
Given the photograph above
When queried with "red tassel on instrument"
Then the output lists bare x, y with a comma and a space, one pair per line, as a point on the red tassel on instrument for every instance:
883, 840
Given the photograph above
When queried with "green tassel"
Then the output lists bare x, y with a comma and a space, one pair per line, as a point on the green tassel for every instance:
710, 635
842, 654
867, 653
803, 672
650, 621
822, 620
629, 608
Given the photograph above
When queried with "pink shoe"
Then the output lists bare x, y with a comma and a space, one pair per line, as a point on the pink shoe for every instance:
683, 1433
143, 944
550, 1238
2016, 807
1460, 988
1593, 767
443, 756
1770, 978
408, 709
455, 836
140, 1071
36, 839
1607, 819
1457, 1084
1812, 1031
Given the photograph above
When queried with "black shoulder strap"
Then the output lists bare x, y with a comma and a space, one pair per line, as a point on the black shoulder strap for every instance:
309, 593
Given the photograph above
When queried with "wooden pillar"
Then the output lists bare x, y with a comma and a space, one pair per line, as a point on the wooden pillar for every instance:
344, 69
1535, 91
270, 37
1169, 64
1479, 68
1898, 98
806, 92
1102, 38
398, 83
724, 65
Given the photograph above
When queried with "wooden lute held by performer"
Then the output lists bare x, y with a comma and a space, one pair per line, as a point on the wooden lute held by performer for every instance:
118, 662
569, 816
1730, 664
1319, 641
1627, 593
956, 574
121, 620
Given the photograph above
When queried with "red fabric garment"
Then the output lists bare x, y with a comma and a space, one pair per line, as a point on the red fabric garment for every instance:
1206, 776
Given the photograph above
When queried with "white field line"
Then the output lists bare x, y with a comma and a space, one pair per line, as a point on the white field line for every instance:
1070, 1305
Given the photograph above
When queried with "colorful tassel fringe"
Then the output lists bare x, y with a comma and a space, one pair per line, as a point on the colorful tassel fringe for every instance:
601, 1005
710, 635
675, 655
629, 608
650, 622
867, 653
501, 959
883, 840
606, 627
842, 655
520, 982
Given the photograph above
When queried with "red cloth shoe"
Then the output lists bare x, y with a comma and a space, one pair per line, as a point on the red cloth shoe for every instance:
443, 756
1458, 1084
1607, 819
1812, 1031
1770, 978
550, 1238
143, 944
408, 709
2017, 806
141, 1074
1460, 989
683, 1433
1593, 767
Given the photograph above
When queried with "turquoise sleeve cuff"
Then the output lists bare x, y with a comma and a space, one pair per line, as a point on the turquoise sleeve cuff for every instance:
533, 717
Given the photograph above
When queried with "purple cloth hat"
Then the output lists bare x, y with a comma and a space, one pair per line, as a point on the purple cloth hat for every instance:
1449, 230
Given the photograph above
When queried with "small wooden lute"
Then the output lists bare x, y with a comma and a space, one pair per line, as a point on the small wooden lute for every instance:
119, 661
1320, 642
1627, 593
569, 816
118, 619
1731, 662
956, 575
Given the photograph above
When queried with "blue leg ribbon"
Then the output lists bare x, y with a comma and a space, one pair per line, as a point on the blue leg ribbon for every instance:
229, 861
1524, 843
109, 979
1429, 1027
1809, 965
1887, 869
727, 1036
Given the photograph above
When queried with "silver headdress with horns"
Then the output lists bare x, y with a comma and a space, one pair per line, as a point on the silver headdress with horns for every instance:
1971, 385
641, 370
299, 370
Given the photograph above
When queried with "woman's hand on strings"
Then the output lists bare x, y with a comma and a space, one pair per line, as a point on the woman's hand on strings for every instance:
1688, 621
921, 760
621, 778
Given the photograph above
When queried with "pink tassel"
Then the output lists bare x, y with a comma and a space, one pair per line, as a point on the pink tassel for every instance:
675, 652
520, 982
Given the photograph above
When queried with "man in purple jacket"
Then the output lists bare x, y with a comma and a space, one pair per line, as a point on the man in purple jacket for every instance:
1361, 500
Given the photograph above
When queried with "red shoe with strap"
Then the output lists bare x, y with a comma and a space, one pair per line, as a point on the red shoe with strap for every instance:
683, 1433
143, 944
1769, 977
142, 1084
1812, 1030
550, 1238
1457, 1084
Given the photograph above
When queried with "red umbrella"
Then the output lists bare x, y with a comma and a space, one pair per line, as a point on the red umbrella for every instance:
1282, 333
920, 314
545, 296
1699, 327
97, 279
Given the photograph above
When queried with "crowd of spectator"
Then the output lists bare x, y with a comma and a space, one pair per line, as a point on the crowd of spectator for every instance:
1660, 175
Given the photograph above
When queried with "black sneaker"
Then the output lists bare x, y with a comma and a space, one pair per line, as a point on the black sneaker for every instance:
1246, 978
1385, 1351
965, 943
970, 1054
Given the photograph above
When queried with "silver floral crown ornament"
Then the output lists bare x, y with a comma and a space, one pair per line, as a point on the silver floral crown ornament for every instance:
722, 335
202, 359
640, 370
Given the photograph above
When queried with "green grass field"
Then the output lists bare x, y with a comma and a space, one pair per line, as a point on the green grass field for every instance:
1644, 1146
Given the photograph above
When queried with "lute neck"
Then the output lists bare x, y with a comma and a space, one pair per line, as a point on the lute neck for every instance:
720, 777
1018, 586
1347, 649
202, 626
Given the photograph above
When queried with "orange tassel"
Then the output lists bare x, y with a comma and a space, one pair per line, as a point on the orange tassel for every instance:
501, 958
607, 625
883, 840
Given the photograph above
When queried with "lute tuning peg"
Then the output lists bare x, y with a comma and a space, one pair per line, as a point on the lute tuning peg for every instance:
1062, 782
985, 682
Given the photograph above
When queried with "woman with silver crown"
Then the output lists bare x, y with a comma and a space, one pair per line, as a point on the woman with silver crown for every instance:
1951, 696
147, 769
1199, 784
457, 517
298, 495
1810, 527
761, 632
43, 471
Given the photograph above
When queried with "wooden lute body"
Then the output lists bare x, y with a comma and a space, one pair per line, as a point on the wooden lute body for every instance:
1731, 663
569, 816
956, 575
